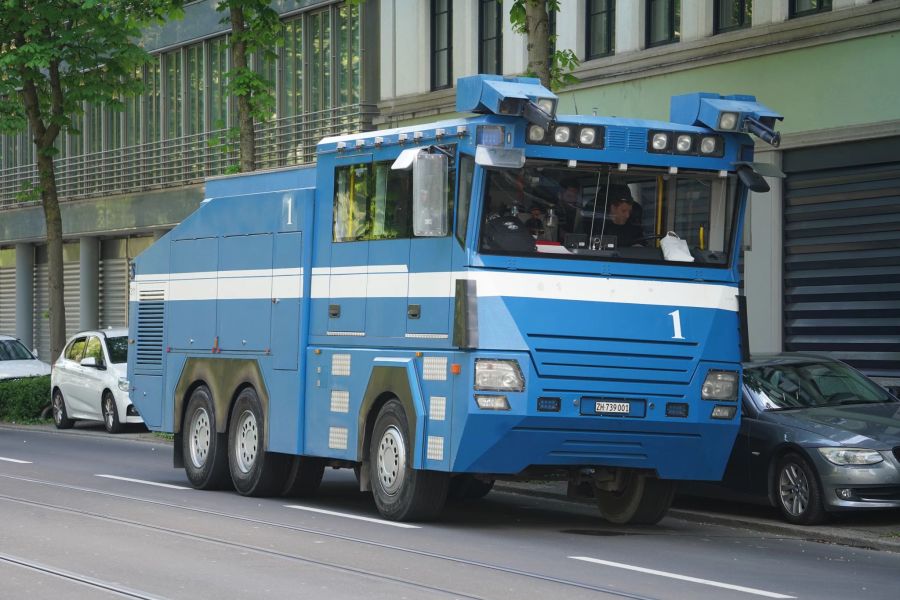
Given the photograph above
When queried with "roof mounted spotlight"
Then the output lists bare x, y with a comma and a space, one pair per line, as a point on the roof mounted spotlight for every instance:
514, 96
728, 114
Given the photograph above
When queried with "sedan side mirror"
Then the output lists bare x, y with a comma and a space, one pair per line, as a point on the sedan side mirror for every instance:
90, 361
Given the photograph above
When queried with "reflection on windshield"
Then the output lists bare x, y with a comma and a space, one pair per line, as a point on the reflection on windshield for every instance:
14, 350
598, 211
811, 385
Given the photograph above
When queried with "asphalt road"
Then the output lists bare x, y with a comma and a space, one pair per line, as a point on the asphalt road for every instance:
107, 516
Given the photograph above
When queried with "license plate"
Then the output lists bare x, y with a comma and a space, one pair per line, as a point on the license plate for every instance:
616, 408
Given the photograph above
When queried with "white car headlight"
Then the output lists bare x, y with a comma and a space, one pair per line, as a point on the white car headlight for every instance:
720, 385
498, 375
123, 384
851, 456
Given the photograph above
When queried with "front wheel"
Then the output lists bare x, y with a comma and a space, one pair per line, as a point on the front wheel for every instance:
401, 493
206, 459
797, 490
110, 413
641, 500
60, 415
254, 471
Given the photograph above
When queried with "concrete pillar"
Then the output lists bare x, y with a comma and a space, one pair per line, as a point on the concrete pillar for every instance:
25, 294
768, 13
842, 4
696, 20
515, 51
763, 263
465, 39
630, 19
89, 283
570, 27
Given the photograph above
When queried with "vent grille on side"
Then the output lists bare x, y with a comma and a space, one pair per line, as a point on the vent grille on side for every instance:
151, 316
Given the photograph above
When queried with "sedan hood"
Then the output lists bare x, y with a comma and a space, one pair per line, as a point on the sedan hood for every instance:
874, 426
13, 369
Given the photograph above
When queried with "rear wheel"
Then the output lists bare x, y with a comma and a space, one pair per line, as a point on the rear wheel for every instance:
798, 494
206, 458
60, 416
110, 413
254, 471
401, 493
641, 500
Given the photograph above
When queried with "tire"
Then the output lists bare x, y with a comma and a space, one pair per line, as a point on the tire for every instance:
644, 500
467, 487
797, 492
401, 493
254, 471
110, 413
60, 415
204, 450
303, 477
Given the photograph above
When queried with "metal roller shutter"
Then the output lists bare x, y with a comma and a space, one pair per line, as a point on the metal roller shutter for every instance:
842, 253
113, 292
8, 300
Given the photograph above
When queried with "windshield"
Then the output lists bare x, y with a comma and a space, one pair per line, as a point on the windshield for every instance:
118, 349
14, 350
550, 209
811, 385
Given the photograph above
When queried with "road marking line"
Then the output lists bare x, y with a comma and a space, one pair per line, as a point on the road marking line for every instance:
165, 485
349, 516
727, 586
13, 460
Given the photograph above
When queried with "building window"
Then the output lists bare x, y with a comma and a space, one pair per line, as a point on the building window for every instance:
801, 8
490, 37
348, 55
173, 95
732, 14
601, 28
441, 44
663, 22
217, 50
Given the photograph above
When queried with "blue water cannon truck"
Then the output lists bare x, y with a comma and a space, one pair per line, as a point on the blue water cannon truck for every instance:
515, 294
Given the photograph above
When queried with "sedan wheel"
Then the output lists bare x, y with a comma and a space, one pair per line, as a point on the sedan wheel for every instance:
110, 414
60, 416
798, 492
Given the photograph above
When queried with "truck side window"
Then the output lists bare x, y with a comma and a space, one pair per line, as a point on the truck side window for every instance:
466, 174
351, 202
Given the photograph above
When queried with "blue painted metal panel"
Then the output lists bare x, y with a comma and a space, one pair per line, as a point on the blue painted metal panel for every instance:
146, 394
286, 311
430, 255
244, 293
190, 322
385, 307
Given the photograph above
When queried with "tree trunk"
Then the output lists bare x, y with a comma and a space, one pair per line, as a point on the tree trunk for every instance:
537, 23
53, 219
247, 144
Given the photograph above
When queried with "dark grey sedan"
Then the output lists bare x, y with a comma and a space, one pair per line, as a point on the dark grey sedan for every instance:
817, 436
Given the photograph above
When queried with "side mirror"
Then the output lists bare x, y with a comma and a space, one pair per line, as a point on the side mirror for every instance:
90, 361
430, 210
753, 180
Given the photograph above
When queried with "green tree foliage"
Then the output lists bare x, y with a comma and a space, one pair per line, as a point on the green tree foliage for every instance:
55, 56
255, 30
531, 18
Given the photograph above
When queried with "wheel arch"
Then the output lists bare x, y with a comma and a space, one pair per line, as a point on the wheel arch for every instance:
387, 381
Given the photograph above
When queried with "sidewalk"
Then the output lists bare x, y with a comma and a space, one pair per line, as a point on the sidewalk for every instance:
878, 530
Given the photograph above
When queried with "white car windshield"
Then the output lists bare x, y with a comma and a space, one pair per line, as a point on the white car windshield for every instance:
14, 350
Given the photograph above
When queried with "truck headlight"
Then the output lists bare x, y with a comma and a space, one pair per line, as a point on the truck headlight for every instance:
851, 456
498, 375
123, 384
720, 385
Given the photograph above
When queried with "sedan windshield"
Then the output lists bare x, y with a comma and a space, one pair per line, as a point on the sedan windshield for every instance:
14, 350
550, 209
118, 349
811, 385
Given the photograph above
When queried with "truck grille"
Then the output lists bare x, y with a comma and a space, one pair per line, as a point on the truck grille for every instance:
594, 365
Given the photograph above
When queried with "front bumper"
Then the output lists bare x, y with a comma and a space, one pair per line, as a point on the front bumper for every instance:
871, 486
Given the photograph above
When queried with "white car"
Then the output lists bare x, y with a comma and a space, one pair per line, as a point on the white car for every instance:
17, 362
88, 381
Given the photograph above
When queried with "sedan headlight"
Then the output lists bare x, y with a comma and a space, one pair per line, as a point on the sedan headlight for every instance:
123, 384
720, 385
851, 456
498, 375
